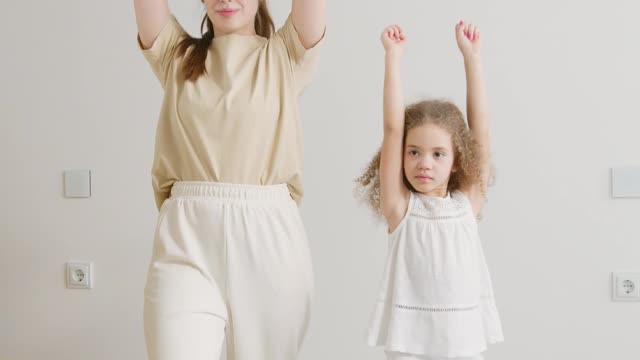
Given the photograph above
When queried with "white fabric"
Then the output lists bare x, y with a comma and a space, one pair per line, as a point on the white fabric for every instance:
436, 297
403, 356
230, 264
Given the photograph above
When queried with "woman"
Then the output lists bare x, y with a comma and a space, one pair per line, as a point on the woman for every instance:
230, 261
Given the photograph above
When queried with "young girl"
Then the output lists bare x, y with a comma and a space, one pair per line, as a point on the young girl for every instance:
429, 182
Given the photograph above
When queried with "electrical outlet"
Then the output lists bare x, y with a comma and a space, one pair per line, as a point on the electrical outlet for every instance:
79, 275
625, 286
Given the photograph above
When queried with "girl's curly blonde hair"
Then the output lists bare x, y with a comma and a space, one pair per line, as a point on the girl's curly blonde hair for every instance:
446, 115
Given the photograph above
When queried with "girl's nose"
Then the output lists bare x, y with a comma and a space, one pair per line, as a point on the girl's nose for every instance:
425, 163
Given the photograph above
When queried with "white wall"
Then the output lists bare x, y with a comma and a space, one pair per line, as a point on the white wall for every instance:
563, 80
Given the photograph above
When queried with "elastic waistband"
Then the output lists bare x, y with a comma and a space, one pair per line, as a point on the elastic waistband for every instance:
241, 192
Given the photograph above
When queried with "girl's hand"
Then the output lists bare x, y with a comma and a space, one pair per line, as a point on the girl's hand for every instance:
468, 38
393, 40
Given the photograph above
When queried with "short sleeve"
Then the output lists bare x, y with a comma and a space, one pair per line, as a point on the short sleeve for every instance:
162, 53
303, 61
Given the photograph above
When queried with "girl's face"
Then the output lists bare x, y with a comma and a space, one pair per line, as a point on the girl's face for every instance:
428, 159
232, 16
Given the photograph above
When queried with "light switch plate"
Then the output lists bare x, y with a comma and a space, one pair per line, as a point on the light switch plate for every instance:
77, 183
625, 182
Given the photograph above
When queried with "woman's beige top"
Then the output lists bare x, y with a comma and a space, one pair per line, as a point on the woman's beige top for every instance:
239, 122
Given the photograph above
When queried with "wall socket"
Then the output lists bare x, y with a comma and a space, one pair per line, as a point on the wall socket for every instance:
79, 275
625, 286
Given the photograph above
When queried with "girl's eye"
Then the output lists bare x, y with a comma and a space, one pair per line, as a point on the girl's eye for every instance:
439, 155
413, 153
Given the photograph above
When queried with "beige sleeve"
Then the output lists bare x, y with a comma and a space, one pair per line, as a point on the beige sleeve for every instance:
161, 54
303, 61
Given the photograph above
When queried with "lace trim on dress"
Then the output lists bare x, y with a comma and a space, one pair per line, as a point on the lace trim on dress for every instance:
436, 309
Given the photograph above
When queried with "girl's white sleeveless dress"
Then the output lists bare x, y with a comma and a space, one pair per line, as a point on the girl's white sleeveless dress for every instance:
436, 297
